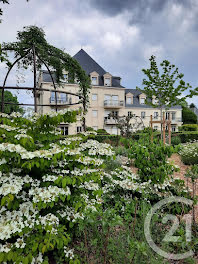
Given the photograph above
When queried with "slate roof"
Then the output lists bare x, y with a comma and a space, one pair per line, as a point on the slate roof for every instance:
136, 102
90, 65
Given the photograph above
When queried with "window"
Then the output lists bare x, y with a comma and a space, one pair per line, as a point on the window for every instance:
143, 114
95, 127
156, 115
130, 114
167, 115
107, 81
142, 100
65, 130
94, 80
94, 97
79, 129
52, 98
173, 128
173, 115
63, 97
156, 127
115, 113
129, 100
95, 113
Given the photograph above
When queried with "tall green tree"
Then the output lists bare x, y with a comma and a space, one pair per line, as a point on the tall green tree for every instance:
188, 116
9, 108
164, 87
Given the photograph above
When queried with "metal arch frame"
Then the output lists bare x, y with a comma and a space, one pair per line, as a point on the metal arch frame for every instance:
34, 88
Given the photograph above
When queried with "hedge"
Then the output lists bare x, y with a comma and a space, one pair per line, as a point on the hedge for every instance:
186, 136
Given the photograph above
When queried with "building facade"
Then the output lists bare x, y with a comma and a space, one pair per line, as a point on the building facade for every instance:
107, 96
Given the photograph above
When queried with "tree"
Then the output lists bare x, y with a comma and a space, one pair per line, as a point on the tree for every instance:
165, 89
32, 48
9, 97
188, 116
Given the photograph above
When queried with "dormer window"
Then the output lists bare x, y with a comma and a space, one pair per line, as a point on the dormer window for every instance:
65, 78
107, 81
142, 100
94, 76
94, 80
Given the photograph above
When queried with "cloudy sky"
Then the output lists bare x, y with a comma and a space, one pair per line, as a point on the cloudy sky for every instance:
120, 35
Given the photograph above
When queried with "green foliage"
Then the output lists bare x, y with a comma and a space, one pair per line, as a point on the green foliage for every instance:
175, 140
89, 129
151, 161
188, 136
166, 86
45, 187
9, 97
188, 116
102, 131
189, 153
189, 127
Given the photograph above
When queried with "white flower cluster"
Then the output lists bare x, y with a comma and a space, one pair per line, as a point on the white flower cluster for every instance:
189, 150
13, 184
86, 160
15, 115
69, 253
47, 194
49, 178
12, 222
19, 136
47, 154
8, 128
3, 161
70, 214
50, 219
96, 148
91, 186
87, 133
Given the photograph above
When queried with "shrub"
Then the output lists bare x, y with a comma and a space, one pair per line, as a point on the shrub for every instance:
176, 140
89, 129
188, 136
189, 153
102, 132
151, 161
47, 183
188, 116
189, 127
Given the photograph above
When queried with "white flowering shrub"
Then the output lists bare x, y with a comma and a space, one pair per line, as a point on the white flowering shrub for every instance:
47, 182
189, 153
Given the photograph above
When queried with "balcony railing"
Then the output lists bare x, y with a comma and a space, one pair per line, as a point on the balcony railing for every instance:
113, 103
109, 121
60, 101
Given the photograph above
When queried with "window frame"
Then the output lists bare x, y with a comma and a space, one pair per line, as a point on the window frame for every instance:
143, 116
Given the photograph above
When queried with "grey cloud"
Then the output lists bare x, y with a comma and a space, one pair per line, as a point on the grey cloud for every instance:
140, 10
